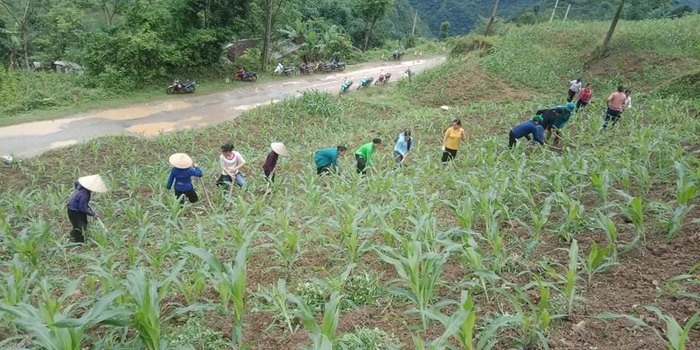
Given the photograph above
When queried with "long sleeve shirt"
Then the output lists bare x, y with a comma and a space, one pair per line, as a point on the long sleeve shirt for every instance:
270, 162
527, 128
80, 200
403, 146
325, 157
564, 116
182, 178
365, 152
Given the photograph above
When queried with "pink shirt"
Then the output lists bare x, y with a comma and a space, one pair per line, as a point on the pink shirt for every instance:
616, 101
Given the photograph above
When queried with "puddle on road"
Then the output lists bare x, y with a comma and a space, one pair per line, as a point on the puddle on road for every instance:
58, 144
36, 128
152, 129
141, 111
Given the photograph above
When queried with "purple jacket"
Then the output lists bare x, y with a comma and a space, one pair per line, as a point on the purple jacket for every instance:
80, 200
270, 162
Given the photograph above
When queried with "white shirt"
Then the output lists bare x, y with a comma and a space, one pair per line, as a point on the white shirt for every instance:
575, 86
628, 102
230, 164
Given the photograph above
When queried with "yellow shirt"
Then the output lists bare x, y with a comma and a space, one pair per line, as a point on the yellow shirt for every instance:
453, 138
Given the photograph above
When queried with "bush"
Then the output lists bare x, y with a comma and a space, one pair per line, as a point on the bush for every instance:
367, 339
472, 42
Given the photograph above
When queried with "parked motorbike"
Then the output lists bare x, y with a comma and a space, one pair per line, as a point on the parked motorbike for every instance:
245, 76
178, 87
329, 67
345, 85
306, 69
383, 78
396, 55
281, 69
365, 82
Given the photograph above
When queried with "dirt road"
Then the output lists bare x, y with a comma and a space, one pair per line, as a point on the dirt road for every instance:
186, 112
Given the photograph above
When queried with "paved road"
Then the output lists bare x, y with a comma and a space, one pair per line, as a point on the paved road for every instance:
186, 112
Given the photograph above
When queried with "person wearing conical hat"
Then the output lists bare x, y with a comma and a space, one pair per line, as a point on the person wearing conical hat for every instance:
181, 176
278, 149
231, 163
79, 204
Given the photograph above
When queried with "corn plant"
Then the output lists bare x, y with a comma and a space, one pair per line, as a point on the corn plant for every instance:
685, 186
570, 276
464, 212
275, 299
461, 326
608, 226
573, 215
635, 212
674, 336
286, 242
598, 260
229, 280
16, 283
474, 260
30, 242
539, 219
350, 233
323, 336
146, 309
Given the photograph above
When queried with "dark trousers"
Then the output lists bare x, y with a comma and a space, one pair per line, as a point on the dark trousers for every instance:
580, 104
398, 157
571, 95
324, 170
511, 139
79, 222
448, 155
269, 176
611, 115
361, 165
191, 196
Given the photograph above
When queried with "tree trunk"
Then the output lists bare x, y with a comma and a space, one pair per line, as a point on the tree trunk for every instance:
612, 28
25, 42
487, 32
368, 34
266, 35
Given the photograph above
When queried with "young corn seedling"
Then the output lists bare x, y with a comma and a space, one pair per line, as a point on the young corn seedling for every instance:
598, 260
460, 326
686, 189
674, 336
464, 212
608, 226
350, 232
602, 181
475, 262
570, 276
30, 242
275, 299
16, 283
324, 335
635, 212
573, 216
286, 242
539, 219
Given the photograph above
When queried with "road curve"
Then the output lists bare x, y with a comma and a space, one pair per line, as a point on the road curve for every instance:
187, 112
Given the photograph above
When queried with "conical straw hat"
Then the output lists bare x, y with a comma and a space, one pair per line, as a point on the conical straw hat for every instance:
279, 148
180, 160
93, 183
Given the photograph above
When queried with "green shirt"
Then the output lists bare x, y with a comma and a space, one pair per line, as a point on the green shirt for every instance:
365, 152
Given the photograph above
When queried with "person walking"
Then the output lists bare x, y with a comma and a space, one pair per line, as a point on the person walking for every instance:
278, 149
616, 103
231, 163
363, 155
525, 129
78, 206
326, 159
454, 135
584, 97
402, 147
574, 88
181, 177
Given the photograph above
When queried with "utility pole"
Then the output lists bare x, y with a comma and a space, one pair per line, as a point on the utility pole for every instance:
493, 18
554, 10
415, 19
567, 12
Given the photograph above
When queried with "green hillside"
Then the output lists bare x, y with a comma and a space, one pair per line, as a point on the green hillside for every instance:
592, 244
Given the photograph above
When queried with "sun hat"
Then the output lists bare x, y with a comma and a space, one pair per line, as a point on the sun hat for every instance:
279, 148
180, 160
537, 118
93, 183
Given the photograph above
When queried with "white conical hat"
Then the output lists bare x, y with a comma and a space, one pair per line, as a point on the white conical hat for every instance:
93, 183
279, 148
180, 160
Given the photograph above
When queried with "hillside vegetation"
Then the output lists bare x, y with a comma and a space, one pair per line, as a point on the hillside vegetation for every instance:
527, 248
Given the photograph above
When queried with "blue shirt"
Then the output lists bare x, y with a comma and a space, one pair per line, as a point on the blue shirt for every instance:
563, 117
326, 157
80, 200
182, 178
529, 128
403, 146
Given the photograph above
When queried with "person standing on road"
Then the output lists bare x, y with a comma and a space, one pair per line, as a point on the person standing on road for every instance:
584, 97
574, 88
326, 159
79, 204
278, 149
616, 103
363, 155
525, 129
181, 176
231, 163
402, 147
454, 135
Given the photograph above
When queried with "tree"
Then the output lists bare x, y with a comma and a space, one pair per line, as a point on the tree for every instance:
648, 4
271, 9
21, 14
444, 30
372, 11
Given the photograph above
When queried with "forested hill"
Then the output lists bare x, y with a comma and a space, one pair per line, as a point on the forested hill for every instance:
464, 15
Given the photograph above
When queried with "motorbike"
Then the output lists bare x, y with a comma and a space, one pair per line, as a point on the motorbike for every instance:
245, 76
281, 69
329, 67
306, 69
365, 82
396, 55
345, 85
383, 78
180, 87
